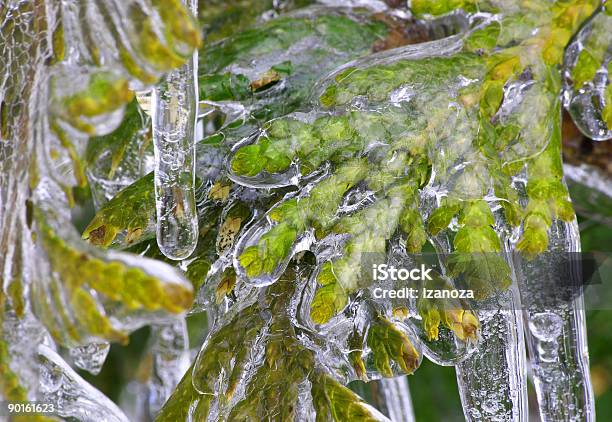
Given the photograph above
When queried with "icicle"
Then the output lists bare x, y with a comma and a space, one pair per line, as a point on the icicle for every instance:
398, 404
492, 381
72, 396
390, 396
170, 361
175, 107
90, 357
556, 329
161, 369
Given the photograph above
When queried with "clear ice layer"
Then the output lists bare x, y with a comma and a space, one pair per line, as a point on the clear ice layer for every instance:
588, 78
67, 77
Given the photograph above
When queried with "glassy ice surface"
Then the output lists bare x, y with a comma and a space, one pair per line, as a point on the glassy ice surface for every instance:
391, 396
447, 350
165, 361
114, 170
55, 94
556, 329
174, 119
493, 380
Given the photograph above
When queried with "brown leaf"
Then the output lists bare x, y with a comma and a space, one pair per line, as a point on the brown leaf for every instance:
226, 285
266, 79
219, 191
227, 233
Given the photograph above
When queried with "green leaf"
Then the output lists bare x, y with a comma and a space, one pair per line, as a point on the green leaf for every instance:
441, 218
335, 402
484, 273
116, 143
132, 209
329, 300
450, 312
476, 214
78, 269
484, 39
389, 344
248, 161
223, 87
441, 7
585, 69
607, 110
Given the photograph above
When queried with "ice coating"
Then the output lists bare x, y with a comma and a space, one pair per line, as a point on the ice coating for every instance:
556, 331
20, 335
121, 157
394, 168
346, 157
374, 123
165, 362
86, 292
228, 104
390, 395
175, 107
259, 358
588, 86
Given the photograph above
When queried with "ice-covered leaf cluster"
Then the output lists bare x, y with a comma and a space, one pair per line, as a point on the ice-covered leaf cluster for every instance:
331, 135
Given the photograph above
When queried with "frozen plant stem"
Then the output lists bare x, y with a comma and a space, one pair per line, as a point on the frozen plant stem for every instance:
175, 102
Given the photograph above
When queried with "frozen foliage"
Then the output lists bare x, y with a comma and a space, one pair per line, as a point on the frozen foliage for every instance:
321, 154
119, 158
